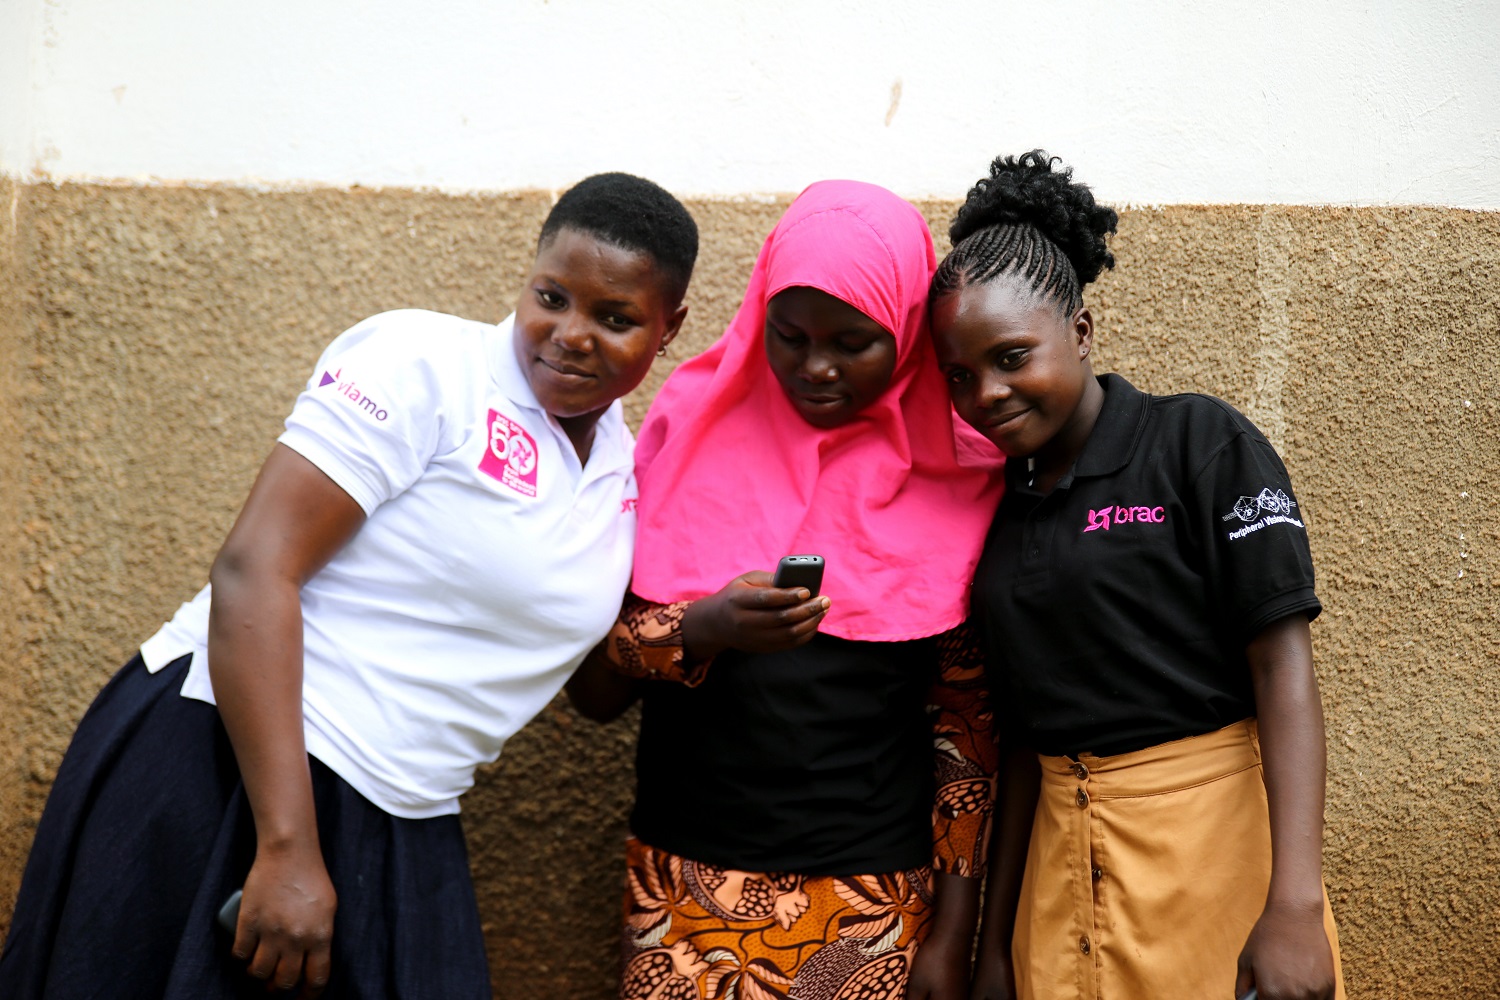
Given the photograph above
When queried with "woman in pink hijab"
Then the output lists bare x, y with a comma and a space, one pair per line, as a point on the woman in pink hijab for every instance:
814, 772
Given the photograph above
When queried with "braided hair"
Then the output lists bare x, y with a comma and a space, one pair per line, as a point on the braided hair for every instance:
1029, 220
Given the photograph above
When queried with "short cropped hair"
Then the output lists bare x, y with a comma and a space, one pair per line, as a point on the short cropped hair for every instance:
634, 214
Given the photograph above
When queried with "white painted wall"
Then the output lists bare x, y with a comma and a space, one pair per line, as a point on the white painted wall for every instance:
1153, 101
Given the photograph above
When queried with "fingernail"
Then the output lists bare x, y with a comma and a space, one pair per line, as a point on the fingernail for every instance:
803, 595
827, 604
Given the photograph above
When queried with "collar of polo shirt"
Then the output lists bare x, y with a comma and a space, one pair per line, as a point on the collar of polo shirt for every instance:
505, 370
1112, 442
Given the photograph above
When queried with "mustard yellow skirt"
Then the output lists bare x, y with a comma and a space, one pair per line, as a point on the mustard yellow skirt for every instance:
1147, 871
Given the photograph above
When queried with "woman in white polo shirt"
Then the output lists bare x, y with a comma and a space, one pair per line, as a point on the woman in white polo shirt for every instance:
442, 533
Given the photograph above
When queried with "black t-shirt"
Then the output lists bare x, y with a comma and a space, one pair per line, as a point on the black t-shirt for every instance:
1115, 610
816, 761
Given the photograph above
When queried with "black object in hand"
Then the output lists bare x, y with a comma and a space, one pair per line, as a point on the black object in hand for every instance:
799, 571
229, 913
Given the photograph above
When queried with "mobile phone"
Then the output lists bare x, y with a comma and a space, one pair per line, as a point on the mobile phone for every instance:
800, 571
229, 913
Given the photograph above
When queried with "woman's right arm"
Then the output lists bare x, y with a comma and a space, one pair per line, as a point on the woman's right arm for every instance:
677, 642
1020, 783
750, 615
294, 521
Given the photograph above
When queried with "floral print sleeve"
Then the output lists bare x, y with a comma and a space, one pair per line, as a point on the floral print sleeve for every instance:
965, 755
646, 643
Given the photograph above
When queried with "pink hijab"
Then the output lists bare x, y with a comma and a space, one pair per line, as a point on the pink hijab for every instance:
897, 501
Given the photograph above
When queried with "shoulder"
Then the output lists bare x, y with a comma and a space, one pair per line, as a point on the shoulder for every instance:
1201, 409
405, 368
1201, 426
409, 353
411, 336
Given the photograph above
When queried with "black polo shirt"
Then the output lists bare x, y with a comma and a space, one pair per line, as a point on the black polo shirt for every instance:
1115, 610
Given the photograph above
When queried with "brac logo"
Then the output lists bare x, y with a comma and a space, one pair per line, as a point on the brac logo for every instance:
1102, 517
351, 392
510, 456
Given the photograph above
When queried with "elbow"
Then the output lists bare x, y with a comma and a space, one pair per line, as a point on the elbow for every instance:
595, 713
599, 703
236, 569
228, 569
240, 573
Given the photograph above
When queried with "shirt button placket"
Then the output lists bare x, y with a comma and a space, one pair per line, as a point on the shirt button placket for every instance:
1085, 941
1041, 535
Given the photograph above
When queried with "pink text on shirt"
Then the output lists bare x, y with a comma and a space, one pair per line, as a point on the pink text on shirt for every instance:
1102, 517
510, 455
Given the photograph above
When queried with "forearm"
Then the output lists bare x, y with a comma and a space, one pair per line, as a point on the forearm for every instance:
1020, 782
255, 663
1294, 759
955, 905
598, 691
940, 969
645, 644
703, 633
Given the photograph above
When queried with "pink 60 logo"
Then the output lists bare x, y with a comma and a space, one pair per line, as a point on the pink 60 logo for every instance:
512, 446
511, 457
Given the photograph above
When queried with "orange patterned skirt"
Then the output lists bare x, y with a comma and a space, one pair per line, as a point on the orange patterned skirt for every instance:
694, 931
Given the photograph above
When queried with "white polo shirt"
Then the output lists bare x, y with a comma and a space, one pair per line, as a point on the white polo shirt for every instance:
490, 563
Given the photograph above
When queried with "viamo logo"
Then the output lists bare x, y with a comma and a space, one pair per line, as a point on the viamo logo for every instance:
351, 392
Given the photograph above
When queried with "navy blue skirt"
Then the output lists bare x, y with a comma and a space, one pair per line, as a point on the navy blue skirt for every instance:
147, 830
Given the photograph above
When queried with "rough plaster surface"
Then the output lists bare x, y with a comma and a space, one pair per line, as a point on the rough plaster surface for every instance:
151, 340
14, 287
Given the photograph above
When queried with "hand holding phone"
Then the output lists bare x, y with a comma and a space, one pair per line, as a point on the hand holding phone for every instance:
757, 612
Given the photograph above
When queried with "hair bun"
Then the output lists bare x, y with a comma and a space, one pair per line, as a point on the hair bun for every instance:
1026, 190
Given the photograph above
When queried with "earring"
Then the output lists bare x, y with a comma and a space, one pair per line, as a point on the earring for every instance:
661, 351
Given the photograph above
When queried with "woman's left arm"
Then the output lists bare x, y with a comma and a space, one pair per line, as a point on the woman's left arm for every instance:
965, 758
645, 644
597, 691
1287, 956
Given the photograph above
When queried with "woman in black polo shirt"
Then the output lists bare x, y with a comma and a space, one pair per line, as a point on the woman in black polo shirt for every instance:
1144, 599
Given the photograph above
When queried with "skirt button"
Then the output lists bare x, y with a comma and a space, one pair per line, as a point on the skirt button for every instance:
1083, 799
1083, 945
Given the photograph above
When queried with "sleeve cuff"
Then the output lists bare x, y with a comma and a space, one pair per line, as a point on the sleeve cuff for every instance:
1302, 600
315, 451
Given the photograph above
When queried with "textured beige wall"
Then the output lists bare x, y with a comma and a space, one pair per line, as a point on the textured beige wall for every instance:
151, 340
14, 742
